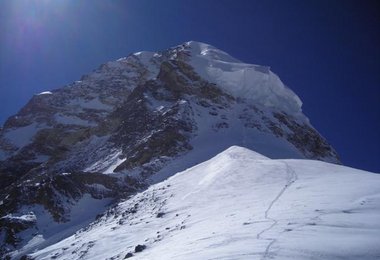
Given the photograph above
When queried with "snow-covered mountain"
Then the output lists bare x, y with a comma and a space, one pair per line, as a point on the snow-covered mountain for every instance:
240, 205
133, 122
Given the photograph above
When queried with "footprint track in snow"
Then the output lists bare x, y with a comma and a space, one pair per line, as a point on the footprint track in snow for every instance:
291, 178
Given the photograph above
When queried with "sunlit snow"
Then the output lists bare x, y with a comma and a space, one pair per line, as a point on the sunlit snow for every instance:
241, 205
45, 93
243, 80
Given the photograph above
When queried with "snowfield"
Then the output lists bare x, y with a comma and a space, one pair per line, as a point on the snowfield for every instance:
240, 205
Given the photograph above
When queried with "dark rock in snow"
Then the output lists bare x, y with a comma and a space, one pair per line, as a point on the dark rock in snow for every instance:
129, 255
160, 214
139, 248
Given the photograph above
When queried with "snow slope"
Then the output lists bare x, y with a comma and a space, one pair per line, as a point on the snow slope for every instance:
253, 82
240, 205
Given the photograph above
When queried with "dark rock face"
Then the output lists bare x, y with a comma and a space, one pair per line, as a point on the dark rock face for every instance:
139, 248
26, 257
130, 119
10, 226
305, 138
52, 191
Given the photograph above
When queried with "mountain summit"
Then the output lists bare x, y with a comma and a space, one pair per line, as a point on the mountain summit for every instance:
252, 82
133, 122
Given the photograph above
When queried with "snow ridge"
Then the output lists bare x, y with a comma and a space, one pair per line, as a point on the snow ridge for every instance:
322, 210
246, 81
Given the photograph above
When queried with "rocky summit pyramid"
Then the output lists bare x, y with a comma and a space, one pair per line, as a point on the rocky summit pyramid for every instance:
70, 152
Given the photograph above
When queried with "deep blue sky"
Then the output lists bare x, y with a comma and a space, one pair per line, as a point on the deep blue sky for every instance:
326, 51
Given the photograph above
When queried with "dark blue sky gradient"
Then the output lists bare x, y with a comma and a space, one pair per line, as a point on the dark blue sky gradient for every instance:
326, 51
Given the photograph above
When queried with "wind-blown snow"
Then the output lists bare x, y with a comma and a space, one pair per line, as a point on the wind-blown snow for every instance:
249, 81
241, 205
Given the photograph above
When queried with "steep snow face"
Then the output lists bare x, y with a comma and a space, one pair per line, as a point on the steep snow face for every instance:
240, 205
247, 81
